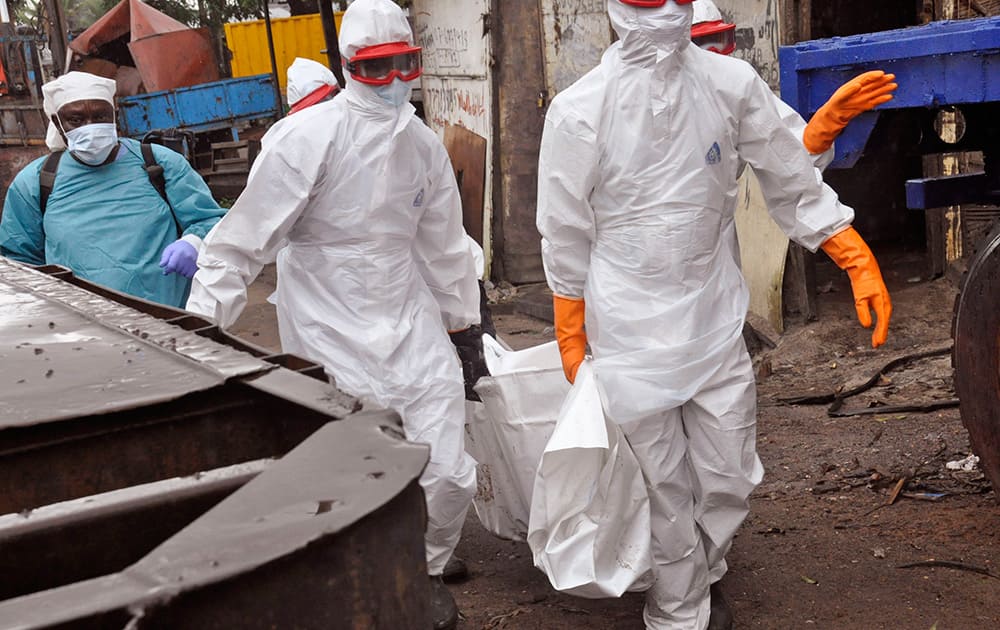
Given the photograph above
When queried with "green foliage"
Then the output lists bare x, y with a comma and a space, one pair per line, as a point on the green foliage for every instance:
80, 14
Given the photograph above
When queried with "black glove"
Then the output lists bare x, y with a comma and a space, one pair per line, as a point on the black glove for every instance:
485, 315
469, 345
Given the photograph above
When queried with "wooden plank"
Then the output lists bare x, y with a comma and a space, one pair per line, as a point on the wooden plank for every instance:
800, 283
468, 157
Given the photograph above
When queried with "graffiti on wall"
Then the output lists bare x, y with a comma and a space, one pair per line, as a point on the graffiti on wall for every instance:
444, 47
456, 101
452, 36
758, 34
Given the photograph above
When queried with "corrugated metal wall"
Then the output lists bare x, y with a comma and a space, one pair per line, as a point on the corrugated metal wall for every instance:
300, 36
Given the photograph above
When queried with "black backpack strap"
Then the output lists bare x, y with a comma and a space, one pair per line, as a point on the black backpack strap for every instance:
155, 173
47, 179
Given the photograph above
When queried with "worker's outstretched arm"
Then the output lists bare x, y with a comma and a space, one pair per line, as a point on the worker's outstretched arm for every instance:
859, 95
250, 234
852, 254
806, 209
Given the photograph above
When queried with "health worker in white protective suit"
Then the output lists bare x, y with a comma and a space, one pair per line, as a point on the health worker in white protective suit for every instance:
376, 270
636, 200
863, 93
309, 82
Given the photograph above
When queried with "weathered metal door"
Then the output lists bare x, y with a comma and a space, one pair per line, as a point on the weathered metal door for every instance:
456, 84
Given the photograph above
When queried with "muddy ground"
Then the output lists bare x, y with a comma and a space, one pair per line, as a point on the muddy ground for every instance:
823, 547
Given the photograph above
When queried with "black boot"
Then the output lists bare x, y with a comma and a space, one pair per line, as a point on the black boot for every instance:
444, 611
455, 571
721, 618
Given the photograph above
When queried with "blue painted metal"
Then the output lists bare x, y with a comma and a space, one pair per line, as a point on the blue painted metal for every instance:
941, 192
942, 63
206, 107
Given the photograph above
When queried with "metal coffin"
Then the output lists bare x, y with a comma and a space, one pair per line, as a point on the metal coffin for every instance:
120, 428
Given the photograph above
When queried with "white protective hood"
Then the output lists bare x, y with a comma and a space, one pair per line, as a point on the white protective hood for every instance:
305, 76
651, 33
370, 23
706, 11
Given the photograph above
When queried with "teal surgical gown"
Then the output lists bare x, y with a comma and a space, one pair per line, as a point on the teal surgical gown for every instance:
107, 223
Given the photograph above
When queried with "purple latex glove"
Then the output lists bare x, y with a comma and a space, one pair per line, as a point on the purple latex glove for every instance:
180, 257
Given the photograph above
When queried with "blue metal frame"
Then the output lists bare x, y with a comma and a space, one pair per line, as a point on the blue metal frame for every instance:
206, 107
942, 63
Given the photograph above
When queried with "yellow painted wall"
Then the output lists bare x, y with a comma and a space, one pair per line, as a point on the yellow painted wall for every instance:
299, 36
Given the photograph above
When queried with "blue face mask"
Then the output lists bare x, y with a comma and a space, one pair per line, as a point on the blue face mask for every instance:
396, 93
92, 144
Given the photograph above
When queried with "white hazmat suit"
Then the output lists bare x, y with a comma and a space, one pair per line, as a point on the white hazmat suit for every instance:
636, 200
376, 269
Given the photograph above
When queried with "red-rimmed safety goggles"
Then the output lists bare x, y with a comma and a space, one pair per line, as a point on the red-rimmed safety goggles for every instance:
320, 94
718, 37
652, 3
382, 64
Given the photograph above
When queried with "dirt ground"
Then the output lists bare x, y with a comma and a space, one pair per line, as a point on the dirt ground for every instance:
822, 547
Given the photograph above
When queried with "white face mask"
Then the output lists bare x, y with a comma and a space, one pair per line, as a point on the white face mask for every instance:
92, 144
668, 27
396, 93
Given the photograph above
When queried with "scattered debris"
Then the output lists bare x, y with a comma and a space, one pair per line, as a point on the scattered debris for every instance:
968, 464
896, 490
500, 621
924, 496
808, 580
949, 564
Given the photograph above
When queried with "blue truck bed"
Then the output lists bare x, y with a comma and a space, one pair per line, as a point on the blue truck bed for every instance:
939, 64
206, 107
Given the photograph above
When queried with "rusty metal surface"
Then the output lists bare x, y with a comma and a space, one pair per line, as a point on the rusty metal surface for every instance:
127, 18
977, 355
167, 61
344, 550
89, 537
58, 461
167, 53
576, 34
65, 352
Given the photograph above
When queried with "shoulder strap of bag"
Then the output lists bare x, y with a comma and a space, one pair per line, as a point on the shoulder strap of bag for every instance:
47, 179
156, 177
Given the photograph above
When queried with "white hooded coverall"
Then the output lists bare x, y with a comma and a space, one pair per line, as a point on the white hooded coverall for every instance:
376, 268
636, 199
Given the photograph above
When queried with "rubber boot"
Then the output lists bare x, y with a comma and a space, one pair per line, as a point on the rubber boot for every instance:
721, 617
444, 611
455, 571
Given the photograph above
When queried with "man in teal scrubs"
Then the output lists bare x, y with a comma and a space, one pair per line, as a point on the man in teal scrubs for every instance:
103, 217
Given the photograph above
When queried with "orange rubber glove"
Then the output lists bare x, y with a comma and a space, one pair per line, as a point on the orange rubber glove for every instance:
572, 339
852, 254
859, 95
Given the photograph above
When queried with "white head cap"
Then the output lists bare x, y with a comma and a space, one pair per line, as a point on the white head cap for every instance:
706, 11
370, 23
305, 76
69, 88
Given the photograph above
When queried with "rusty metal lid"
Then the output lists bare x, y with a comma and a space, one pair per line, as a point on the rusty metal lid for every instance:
66, 353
